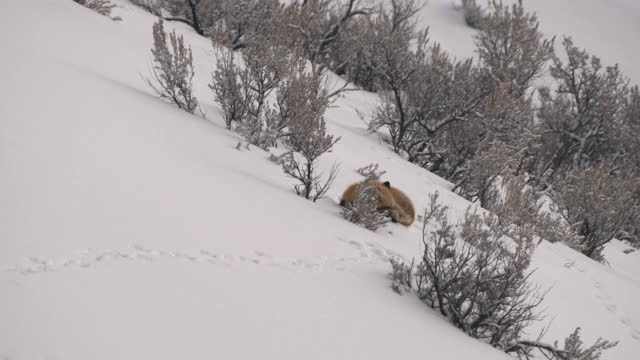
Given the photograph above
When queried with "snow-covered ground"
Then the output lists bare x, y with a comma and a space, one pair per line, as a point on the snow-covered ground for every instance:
132, 230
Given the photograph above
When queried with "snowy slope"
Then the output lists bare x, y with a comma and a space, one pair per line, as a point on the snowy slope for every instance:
130, 229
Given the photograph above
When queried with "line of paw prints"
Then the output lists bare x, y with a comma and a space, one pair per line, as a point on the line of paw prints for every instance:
367, 253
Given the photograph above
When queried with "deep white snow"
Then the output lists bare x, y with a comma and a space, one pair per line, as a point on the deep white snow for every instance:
132, 230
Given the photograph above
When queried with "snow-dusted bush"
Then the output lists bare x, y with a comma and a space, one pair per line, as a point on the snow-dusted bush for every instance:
201, 15
499, 143
352, 56
102, 7
479, 179
364, 209
589, 125
243, 87
228, 88
574, 346
267, 64
172, 70
629, 132
396, 67
371, 53
581, 120
152, 6
241, 23
598, 206
317, 27
371, 172
472, 13
511, 47
311, 186
573, 349
401, 276
430, 105
520, 204
477, 276
306, 102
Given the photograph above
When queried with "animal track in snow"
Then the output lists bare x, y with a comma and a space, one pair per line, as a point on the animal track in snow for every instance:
369, 252
620, 315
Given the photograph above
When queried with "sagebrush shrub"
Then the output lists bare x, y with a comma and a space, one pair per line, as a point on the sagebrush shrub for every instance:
102, 7
172, 71
580, 120
401, 276
512, 47
302, 108
371, 172
476, 275
598, 206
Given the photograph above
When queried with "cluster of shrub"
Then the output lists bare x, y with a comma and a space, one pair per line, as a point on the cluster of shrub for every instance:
483, 124
262, 81
476, 274
478, 123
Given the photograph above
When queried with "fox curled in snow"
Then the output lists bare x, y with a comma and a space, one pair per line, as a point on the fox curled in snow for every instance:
390, 199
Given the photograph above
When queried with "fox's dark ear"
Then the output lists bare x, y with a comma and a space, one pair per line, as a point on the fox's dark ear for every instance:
387, 184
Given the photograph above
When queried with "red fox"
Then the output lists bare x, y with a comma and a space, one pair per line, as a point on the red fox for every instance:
395, 201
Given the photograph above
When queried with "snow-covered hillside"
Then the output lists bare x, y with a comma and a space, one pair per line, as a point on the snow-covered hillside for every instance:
132, 230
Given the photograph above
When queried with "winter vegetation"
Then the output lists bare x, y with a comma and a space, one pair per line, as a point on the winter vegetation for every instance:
524, 157
172, 71
302, 107
102, 7
477, 276
371, 172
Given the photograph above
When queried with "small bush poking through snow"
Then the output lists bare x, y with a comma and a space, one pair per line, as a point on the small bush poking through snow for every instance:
172, 69
371, 172
102, 7
573, 349
574, 346
306, 102
401, 276
364, 209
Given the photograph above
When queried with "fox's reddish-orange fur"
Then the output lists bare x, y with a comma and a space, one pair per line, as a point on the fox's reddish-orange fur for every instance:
399, 205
